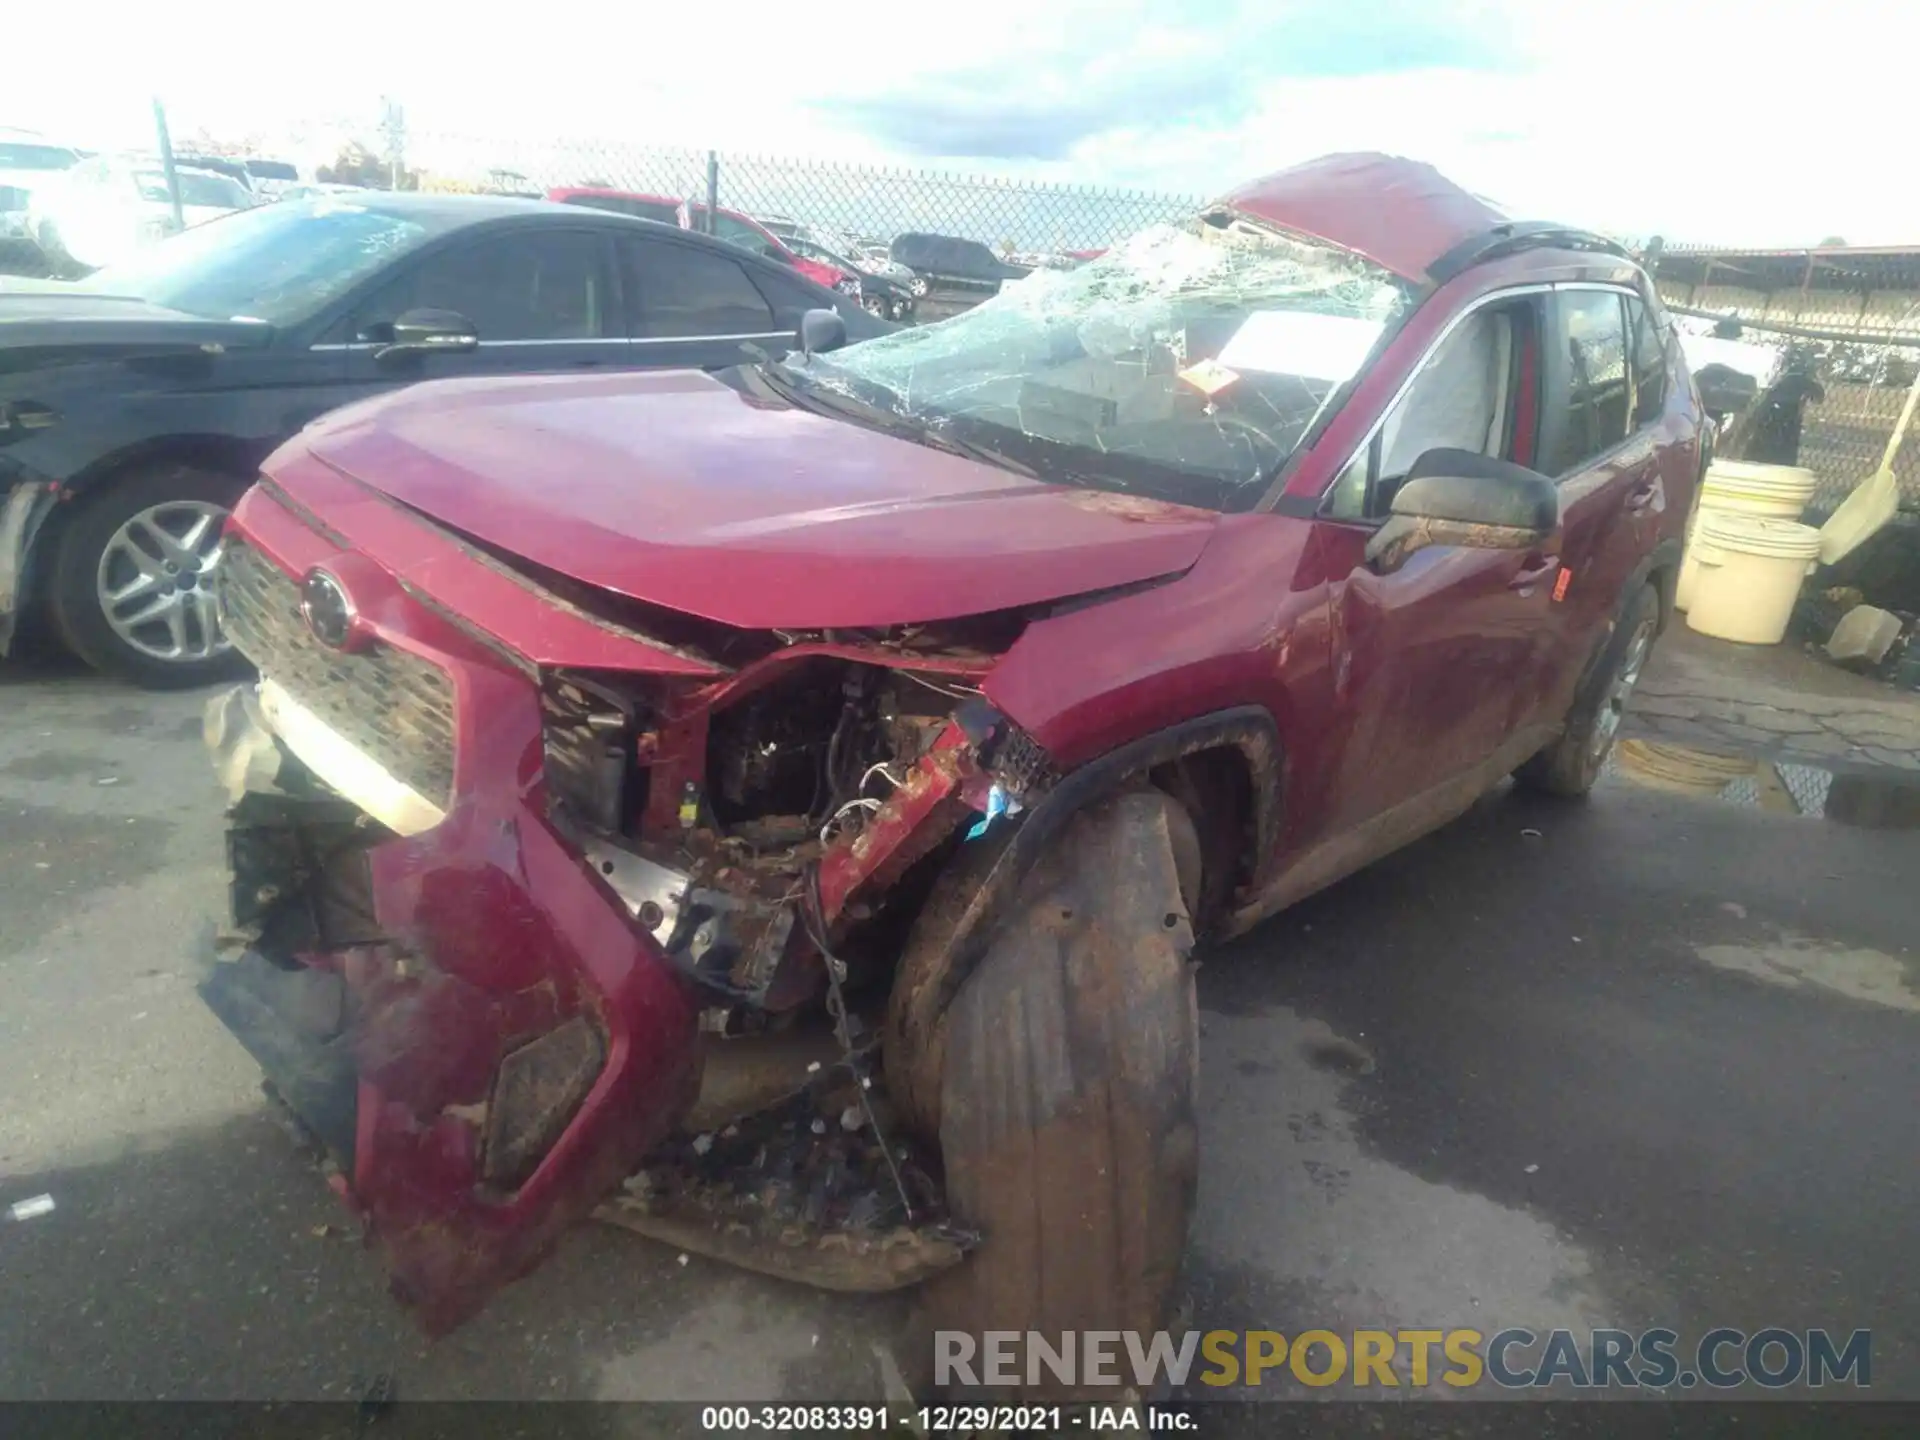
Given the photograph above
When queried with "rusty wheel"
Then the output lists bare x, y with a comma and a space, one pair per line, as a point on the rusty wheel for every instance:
1068, 1065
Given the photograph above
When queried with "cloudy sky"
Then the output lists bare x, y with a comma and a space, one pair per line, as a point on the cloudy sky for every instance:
1705, 120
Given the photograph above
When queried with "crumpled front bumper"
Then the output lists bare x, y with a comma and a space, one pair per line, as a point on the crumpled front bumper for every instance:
465, 1020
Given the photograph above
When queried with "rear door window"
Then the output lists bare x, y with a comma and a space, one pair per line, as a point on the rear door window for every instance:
1595, 397
1649, 351
682, 291
535, 285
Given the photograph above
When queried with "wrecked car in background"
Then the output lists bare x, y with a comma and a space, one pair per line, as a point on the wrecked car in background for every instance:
932, 698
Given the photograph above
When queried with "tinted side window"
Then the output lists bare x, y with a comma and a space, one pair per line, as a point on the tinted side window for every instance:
531, 286
790, 299
1649, 365
683, 290
1595, 401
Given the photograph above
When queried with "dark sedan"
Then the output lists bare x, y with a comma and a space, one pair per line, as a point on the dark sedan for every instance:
137, 405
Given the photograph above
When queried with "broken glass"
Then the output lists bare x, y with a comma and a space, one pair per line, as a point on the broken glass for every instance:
1186, 363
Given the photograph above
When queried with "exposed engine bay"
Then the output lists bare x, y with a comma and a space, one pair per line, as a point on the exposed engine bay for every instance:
794, 817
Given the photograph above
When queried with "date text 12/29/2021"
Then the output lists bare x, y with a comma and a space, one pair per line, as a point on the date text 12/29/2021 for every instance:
945, 1419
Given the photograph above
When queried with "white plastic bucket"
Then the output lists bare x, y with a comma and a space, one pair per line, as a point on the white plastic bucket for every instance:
1735, 487
1740, 488
1749, 572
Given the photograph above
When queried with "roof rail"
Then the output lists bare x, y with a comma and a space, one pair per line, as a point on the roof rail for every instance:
1515, 235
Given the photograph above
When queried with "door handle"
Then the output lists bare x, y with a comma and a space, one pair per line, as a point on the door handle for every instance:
1537, 569
1643, 493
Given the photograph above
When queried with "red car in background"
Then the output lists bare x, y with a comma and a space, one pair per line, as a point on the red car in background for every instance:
728, 225
940, 692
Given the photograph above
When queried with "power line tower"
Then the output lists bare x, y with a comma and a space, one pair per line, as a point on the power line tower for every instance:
393, 121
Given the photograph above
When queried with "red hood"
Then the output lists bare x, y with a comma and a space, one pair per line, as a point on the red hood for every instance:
674, 489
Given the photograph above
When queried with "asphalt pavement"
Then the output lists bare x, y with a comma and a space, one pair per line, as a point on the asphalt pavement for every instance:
1647, 1060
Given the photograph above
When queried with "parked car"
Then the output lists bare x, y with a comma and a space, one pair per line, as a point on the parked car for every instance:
728, 225
135, 408
271, 178
947, 263
26, 162
105, 210
880, 294
939, 692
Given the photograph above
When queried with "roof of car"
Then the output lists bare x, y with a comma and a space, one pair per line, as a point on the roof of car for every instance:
1402, 214
454, 203
611, 192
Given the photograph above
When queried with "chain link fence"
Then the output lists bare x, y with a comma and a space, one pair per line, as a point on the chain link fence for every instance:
1015, 218
1847, 320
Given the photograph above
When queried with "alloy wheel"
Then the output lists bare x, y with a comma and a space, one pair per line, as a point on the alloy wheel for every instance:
156, 578
1613, 706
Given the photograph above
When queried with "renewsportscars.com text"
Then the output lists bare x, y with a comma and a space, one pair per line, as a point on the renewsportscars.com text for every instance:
1513, 1359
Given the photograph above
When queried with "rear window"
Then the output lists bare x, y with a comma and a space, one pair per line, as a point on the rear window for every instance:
628, 205
272, 170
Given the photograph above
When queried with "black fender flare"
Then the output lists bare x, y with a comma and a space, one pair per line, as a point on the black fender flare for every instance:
964, 925
1249, 729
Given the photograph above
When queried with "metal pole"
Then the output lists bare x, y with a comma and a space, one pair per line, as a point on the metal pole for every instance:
713, 192
166, 162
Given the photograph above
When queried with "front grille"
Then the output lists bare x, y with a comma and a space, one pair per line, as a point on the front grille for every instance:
393, 705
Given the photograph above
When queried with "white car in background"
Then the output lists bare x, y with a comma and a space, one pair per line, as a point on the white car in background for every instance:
105, 210
27, 163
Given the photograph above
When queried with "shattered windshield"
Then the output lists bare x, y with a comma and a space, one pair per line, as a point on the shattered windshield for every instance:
1186, 363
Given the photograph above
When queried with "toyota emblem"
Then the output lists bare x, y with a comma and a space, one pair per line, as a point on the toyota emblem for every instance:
327, 610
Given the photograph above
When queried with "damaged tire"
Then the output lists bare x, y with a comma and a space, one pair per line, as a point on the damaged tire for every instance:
1069, 1065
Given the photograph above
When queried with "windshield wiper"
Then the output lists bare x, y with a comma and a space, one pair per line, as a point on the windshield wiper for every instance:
974, 450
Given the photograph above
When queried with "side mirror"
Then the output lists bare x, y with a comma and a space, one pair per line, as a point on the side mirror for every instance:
821, 331
430, 332
1460, 497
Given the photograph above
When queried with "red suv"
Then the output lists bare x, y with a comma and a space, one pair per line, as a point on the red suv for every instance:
728, 225
917, 706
